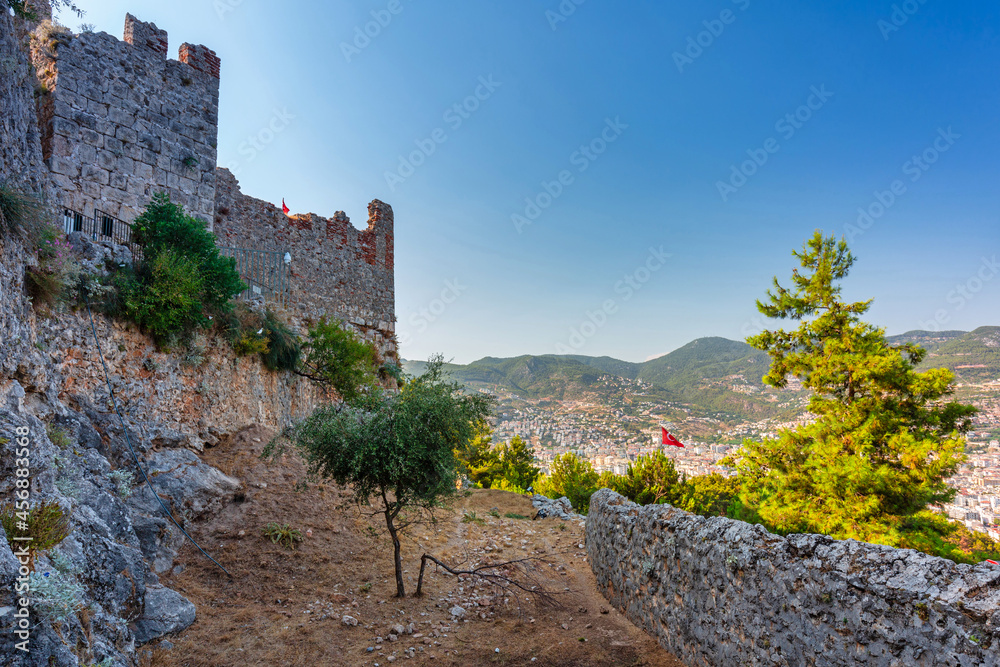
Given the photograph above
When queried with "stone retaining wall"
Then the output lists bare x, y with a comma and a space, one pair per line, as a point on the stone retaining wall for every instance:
720, 592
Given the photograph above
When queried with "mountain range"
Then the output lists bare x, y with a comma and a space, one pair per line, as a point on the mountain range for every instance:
715, 375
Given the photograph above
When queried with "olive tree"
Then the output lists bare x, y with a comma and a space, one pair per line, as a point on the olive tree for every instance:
394, 449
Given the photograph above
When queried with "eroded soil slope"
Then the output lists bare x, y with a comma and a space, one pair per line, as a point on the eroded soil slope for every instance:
286, 607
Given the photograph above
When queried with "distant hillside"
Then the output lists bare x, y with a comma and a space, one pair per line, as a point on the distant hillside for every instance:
547, 376
929, 340
711, 374
974, 357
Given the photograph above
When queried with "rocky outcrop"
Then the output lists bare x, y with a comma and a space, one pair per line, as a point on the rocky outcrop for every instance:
96, 580
560, 508
720, 592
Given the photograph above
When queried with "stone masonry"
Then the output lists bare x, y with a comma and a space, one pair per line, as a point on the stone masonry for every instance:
335, 269
715, 591
121, 122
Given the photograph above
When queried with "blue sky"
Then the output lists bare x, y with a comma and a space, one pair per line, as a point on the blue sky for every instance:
718, 133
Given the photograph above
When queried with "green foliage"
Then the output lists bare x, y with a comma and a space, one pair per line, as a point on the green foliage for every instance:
515, 515
58, 436
708, 495
393, 370
282, 534
572, 477
472, 517
166, 299
57, 275
21, 213
651, 480
508, 466
505, 485
163, 227
284, 348
250, 332
883, 442
45, 523
23, 10
395, 448
182, 280
335, 358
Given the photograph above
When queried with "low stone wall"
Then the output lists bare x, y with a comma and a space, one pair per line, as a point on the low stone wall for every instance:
719, 592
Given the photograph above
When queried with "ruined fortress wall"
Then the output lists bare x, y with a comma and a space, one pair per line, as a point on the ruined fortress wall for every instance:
120, 121
720, 592
336, 269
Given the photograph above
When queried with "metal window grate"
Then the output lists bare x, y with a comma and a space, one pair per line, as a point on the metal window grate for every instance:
264, 271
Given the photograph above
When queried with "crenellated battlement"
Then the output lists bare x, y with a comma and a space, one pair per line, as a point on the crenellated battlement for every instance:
120, 121
335, 268
145, 36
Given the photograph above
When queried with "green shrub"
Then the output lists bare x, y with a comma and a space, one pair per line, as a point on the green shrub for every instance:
45, 523
282, 534
58, 436
335, 358
472, 517
57, 275
284, 348
163, 227
21, 213
167, 300
572, 477
515, 515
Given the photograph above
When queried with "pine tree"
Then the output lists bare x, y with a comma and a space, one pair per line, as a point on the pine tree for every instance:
883, 442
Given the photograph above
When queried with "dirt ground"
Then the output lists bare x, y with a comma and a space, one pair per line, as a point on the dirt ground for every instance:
286, 607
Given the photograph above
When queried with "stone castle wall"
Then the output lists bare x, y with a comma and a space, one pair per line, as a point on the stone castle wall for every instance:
335, 269
121, 122
715, 591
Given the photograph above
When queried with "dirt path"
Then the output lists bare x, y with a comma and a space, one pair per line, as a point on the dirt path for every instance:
286, 607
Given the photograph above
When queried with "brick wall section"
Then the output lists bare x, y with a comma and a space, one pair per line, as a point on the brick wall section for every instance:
715, 591
336, 269
121, 122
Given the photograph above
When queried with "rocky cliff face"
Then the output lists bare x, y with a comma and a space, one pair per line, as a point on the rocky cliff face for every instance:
96, 597
720, 592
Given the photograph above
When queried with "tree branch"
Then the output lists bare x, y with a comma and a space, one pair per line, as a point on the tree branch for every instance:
497, 574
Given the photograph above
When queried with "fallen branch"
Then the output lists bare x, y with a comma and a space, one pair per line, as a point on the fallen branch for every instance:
500, 576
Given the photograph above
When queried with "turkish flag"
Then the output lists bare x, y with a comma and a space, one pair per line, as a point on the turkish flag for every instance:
284, 209
669, 439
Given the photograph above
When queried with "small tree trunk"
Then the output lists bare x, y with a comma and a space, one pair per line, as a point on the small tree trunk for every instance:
400, 591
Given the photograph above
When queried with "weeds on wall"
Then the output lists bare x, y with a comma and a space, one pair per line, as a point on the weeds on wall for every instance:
21, 213
250, 332
55, 280
45, 523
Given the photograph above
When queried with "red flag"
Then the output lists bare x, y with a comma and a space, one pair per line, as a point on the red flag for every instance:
284, 209
669, 439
